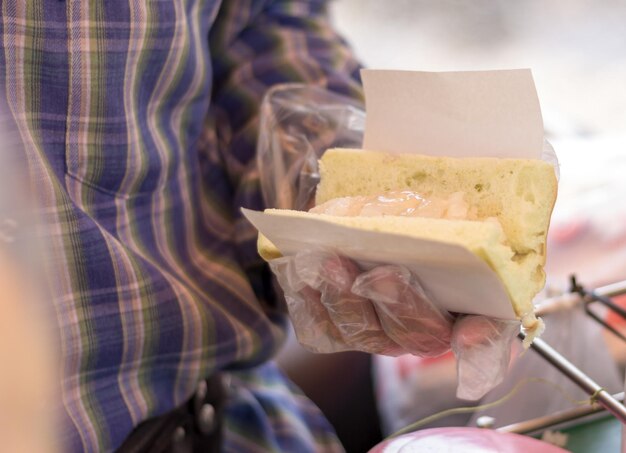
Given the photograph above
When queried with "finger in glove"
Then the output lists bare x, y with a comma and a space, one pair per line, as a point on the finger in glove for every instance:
354, 316
406, 314
312, 325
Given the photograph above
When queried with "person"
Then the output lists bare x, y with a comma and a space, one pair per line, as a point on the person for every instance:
139, 121
141, 118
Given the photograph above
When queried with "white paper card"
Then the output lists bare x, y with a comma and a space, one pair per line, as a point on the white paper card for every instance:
455, 114
455, 278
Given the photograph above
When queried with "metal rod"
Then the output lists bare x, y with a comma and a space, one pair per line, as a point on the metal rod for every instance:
612, 290
588, 385
604, 324
542, 423
567, 300
593, 296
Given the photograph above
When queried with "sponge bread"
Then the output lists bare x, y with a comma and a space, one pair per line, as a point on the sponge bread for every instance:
520, 193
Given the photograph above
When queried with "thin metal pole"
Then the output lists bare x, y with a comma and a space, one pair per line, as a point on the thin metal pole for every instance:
553, 420
588, 385
614, 289
572, 299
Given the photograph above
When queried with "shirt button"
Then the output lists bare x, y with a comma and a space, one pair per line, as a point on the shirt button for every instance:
179, 435
201, 391
227, 382
485, 422
206, 419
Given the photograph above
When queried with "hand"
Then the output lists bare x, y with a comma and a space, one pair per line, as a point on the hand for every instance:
336, 306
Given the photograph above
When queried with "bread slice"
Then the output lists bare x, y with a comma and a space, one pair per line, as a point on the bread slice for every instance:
520, 193
485, 239
512, 201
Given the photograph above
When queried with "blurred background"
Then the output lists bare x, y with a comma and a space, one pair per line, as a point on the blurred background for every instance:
577, 52
575, 48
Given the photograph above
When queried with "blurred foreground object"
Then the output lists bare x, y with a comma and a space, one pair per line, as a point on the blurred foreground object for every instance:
29, 379
474, 440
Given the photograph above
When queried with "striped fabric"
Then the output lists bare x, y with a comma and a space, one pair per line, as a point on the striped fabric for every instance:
140, 120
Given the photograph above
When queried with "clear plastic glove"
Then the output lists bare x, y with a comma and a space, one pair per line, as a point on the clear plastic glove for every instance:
298, 123
336, 305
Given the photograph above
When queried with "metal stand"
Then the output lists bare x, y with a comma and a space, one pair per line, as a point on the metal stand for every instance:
588, 385
593, 389
538, 425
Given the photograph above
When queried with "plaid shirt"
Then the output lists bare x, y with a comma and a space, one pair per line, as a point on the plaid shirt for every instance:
140, 119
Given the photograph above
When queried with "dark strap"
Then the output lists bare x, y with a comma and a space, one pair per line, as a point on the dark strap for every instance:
194, 426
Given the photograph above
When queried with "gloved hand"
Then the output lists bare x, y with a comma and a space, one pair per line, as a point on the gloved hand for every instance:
337, 305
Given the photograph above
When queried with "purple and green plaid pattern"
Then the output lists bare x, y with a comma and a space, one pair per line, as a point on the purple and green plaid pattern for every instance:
140, 121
